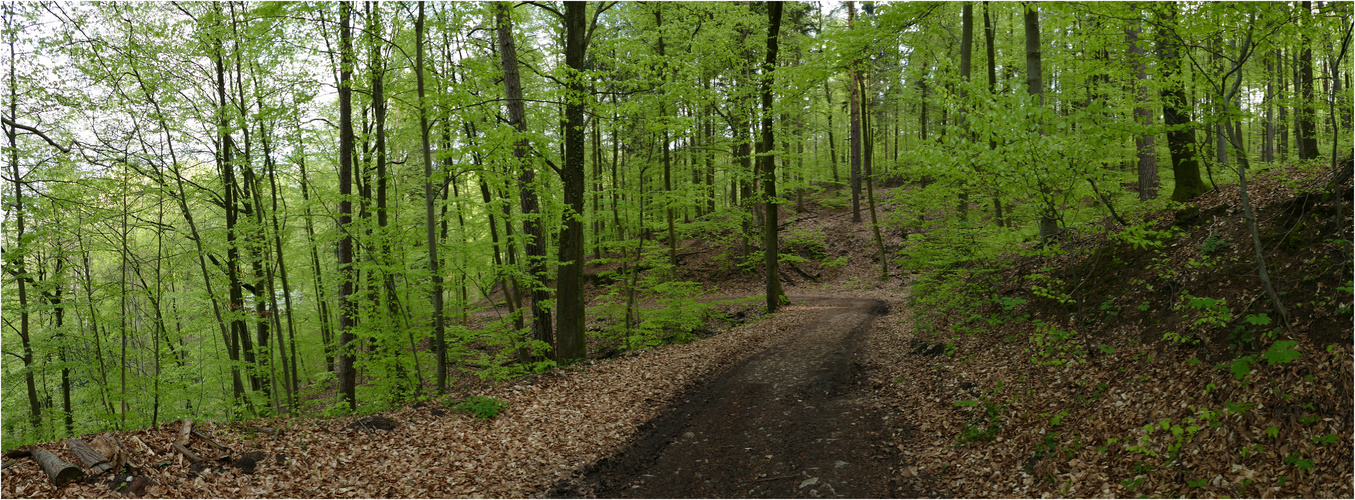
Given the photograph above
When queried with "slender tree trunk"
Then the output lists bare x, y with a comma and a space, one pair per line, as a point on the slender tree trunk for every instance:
1144, 142
16, 264
856, 128
238, 332
1281, 125
1268, 144
870, 182
347, 313
1049, 224
430, 221
988, 35
771, 253
832, 141
966, 59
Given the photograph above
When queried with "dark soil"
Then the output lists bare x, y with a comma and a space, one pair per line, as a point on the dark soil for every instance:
795, 420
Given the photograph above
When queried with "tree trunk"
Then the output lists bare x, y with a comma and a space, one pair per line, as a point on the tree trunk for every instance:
531, 222
856, 126
771, 254
1307, 129
347, 313
1281, 125
16, 265
966, 60
988, 35
569, 333
1049, 225
870, 175
1144, 142
1175, 110
832, 141
429, 199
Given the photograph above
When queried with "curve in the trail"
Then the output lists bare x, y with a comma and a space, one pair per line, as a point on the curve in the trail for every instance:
794, 420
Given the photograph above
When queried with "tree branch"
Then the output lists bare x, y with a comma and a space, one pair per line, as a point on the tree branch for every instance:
35, 131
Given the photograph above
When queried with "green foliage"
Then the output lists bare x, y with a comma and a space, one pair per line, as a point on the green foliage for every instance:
1239, 367
1049, 287
1281, 352
481, 407
836, 262
1054, 346
1142, 238
1213, 244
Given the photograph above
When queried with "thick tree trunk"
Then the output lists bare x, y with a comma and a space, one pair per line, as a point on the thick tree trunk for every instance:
1175, 111
569, 333
531, 222
1307, 129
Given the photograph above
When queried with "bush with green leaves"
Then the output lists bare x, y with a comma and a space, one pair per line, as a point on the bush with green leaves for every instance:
481, 407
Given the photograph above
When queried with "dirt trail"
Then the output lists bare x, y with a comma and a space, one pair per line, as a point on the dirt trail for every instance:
795, 420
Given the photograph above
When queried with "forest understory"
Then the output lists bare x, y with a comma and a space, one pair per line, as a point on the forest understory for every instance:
992, 379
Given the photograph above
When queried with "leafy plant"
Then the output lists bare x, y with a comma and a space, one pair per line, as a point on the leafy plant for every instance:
482, 407
1281, 352
1054, 346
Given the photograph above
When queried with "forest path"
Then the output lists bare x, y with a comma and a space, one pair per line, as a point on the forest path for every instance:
794, 420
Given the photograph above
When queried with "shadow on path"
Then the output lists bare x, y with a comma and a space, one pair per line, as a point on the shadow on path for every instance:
795, 420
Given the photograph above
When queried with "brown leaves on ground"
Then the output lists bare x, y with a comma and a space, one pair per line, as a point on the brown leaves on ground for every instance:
553, 425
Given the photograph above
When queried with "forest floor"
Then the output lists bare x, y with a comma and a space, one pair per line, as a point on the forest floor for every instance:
858, 390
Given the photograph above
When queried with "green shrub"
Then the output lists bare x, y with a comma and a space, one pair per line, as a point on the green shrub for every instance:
481, 407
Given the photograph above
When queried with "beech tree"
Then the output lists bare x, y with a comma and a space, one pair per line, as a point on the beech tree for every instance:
251, 209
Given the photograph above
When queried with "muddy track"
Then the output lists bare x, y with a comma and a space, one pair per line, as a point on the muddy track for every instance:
795, 420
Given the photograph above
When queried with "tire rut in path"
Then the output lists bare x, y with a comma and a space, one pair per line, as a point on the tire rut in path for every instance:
794, 420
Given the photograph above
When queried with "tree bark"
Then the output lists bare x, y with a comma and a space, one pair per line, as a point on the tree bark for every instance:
347, 314
59, 471
1307, 129
1175, 110
1049, 225
570, 333
771, 253
1143, 142
429, 199
16, 265
966, 60
531, 221
988, 35
856, 126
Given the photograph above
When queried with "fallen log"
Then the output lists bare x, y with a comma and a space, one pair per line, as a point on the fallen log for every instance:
185, 432
92, 460
187, 453
23, 452
108, 446
58, 471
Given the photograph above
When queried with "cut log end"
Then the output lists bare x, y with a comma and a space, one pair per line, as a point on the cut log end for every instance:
59, 471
